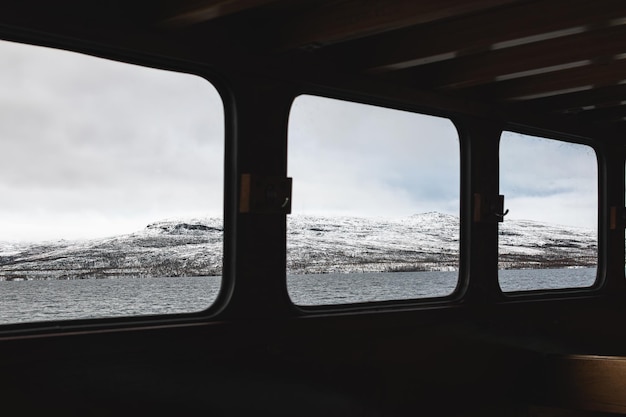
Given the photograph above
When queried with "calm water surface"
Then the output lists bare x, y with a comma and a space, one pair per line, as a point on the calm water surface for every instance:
328, 289
32, 301
22, 301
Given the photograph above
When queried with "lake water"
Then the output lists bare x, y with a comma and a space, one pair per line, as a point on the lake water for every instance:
33, 301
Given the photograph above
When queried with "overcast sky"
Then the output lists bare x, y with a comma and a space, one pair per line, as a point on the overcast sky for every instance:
549, 180
94, 148
356, 159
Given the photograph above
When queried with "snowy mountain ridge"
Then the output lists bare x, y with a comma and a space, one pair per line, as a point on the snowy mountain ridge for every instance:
316, 244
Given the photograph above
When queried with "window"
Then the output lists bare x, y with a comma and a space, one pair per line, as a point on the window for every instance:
111, 184
375, 204
549, 238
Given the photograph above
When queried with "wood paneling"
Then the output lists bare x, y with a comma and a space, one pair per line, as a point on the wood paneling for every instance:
414, 46
337, 21
553, 83
515, 61
199, 11
587, 382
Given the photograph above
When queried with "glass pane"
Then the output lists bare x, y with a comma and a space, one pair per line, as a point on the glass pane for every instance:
375, 204
549, 238
111, 185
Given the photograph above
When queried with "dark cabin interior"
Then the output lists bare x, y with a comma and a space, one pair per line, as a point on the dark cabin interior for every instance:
548, 66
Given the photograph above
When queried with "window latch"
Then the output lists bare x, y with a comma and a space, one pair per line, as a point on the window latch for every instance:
489, 208
265, 194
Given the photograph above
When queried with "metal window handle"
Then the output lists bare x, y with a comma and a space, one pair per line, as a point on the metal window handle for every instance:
265, 194
489, 208
501, 215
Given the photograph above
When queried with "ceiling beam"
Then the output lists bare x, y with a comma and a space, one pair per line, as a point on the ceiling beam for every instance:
422, 44
519, 61
553, 83
337, 21
578, 100
608, 114
183, 14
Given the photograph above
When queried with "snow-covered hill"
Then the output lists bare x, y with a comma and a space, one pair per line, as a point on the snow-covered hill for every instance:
166, 248
527, 244
428, 241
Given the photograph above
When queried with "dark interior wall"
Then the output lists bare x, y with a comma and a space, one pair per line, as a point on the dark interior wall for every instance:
456, 361
479, 355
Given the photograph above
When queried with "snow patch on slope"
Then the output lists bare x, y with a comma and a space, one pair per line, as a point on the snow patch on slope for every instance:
315, 244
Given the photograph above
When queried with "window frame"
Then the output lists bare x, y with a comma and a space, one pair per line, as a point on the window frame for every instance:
456, 298
599, 284
220, 83
225, 85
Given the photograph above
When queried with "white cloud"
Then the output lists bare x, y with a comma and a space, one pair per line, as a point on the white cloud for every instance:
364, 160
548, 180
357, 159
91, 146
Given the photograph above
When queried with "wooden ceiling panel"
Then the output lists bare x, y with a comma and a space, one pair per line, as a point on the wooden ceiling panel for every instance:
574, 102
421, 44
522, 59
182, 14
604, 115
554, 83
339, 21
515, 62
